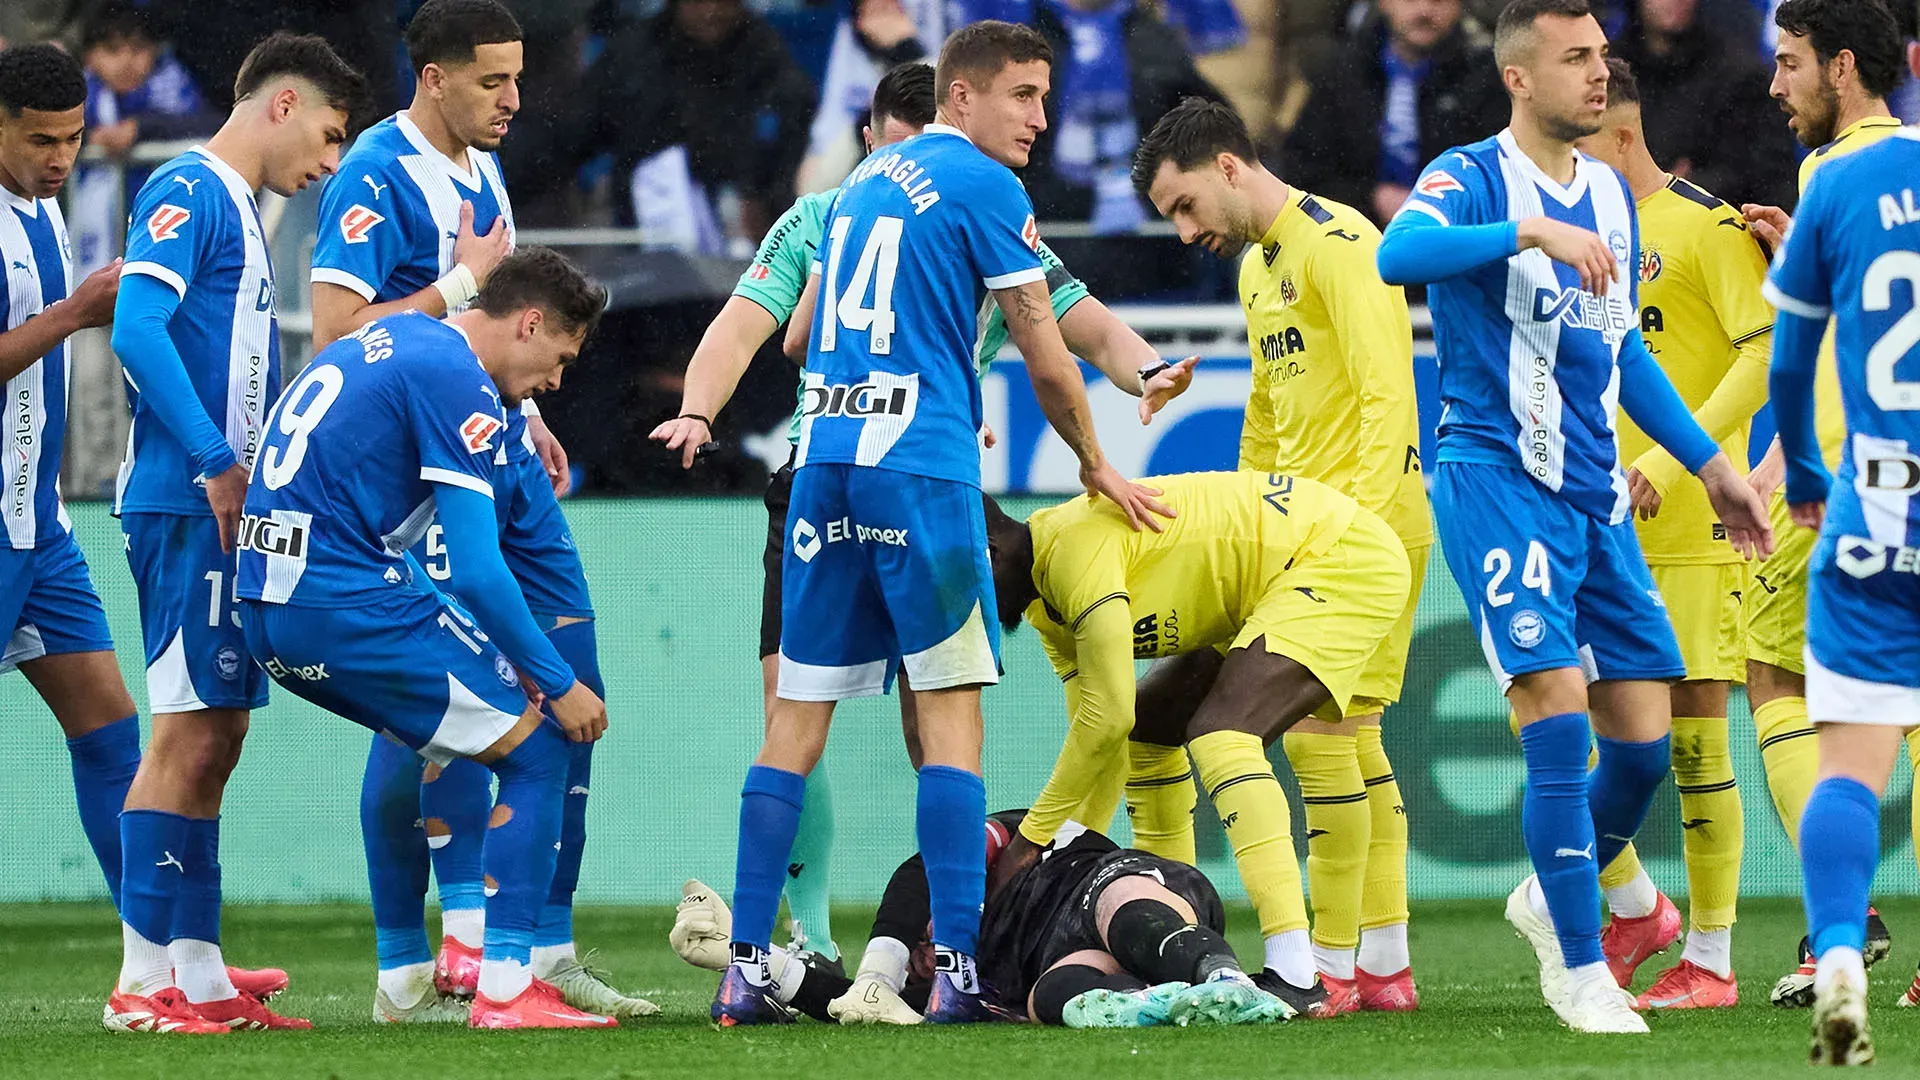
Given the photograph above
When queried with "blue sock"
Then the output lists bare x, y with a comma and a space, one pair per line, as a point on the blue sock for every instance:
396, 853
770, 805
575, 644
458, 801
1620, 789
153, 845
196, 911
951, 820
520, 852
1558, 828
104, 761
1839, 848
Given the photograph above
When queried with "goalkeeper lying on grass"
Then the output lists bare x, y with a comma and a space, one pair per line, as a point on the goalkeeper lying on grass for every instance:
1090, 935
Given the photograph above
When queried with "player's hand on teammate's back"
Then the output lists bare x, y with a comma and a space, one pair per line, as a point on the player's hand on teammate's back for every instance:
1646, 497
553, 456
480, 254
685, 434
1766, 477
227, 495
1135, 500
1019, 854
1769, 223
1739, 509
1164, 387
1571, 245
93, 299
582, 715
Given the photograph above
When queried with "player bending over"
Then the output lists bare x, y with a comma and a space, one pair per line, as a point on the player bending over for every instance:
1332, 400
771, 292
386, 428
1293, 580
1092, 936
1529, 249
195, 329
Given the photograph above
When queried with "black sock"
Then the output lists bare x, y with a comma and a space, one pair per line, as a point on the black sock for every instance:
816, 989
1068, 981
1151, 940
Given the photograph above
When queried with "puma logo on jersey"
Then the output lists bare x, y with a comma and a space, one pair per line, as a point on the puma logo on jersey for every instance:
357, 222
377, 188
478, 430
166, 221
188, 184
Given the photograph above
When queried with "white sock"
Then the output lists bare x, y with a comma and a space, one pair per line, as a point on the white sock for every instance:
1383, 950
548, 959
199, 971
1537, 899
1634, 900
886, 959
504, 980
1595, 971
145, 968
468, 926
1711, 949
788, 973
1333, 963
408, 985
1290, 956
1837, 963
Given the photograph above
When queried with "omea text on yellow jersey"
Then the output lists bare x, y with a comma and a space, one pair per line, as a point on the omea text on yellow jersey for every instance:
1332, 349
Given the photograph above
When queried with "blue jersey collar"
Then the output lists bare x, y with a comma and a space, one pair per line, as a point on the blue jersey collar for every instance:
1570, 195
227, 173
944, 129
29, 207
468, 177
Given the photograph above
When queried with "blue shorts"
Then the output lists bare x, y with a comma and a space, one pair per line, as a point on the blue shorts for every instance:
47, 604
535, 541
1546, 585
410, 666
1863, 632
884, 570
189, 617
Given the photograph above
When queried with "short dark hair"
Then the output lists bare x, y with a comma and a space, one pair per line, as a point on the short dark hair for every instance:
1866, 28
115, 20
1623, 88
303, 56
906, 94
40, 77
1191, 134
1518, 17
540, 277
979, 51
448, 31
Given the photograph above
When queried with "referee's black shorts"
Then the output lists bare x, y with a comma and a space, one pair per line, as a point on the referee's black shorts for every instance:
779, 494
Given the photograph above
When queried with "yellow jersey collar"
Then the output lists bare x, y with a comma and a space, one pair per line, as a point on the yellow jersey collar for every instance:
1270, 240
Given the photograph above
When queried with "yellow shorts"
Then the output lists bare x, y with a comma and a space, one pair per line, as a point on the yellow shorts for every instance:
1386, 671
1708, 616
1333, 611
1777, 596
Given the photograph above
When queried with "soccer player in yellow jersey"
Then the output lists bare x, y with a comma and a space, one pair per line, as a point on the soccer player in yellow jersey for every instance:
1712, 332
1835, 64
1294, 581
1333, 400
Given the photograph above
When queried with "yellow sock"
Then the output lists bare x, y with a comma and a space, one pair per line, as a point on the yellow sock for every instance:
1710, 817
1339, 830
1233, 767
1791, 755
1383, 896
1913, 754
1160, 800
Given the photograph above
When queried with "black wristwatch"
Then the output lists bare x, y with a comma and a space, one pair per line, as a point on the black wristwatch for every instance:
1149, 371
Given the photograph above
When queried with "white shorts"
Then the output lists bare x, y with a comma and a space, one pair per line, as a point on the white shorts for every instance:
1833, 698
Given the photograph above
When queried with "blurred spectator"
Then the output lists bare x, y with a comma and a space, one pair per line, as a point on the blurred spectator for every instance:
23, 22
212, 37
1703, 96
705, 114
1412, 83
136, 90
875, 37
1117, 68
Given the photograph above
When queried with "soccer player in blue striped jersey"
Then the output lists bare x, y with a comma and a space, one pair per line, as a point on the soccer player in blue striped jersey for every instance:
1529, 249
54, 626
195, 329
1853, 252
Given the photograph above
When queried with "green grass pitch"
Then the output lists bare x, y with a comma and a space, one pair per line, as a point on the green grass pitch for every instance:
1481, 1016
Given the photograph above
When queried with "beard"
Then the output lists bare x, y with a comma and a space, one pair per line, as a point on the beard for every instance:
1569, 129
1817, 128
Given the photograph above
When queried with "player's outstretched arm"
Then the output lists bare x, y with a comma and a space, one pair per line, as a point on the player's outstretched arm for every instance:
90, 305
1100, 707
339, 310
722, 357
1063, 397
1419, 249
1092, 331
799, 333
1796, 350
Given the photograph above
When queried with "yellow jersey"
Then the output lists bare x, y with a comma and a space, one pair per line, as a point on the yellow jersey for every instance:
1109, 595
1332, 350
1711, 331
1830, 421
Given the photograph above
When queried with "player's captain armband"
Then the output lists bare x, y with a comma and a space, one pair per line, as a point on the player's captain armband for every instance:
458, 287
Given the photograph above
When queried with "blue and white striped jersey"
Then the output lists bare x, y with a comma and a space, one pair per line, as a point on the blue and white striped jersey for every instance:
196, 227
1528, 360
39, 270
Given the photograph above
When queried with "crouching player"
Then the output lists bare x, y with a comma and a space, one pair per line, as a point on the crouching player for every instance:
1294, 580
1092, 935
385, 428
